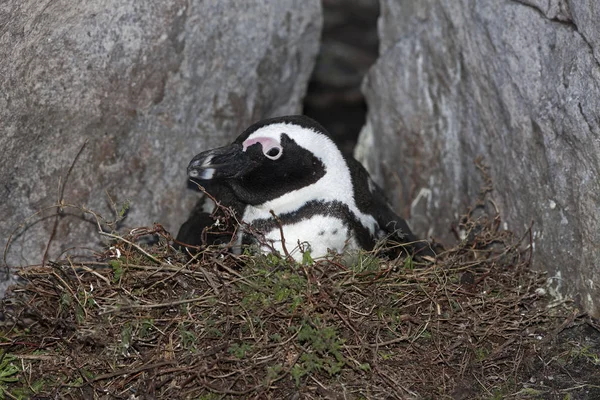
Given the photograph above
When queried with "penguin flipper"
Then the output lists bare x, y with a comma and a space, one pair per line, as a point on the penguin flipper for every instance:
371, 199
196, 230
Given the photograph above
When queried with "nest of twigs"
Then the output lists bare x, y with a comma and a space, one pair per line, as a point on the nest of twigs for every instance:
145, 321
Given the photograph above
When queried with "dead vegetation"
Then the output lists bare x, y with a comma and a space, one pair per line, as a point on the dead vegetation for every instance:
142, 320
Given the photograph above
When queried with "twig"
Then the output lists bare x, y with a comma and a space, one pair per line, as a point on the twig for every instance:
59, 209
380, 344
160, 305
144, 252
285, 251
130, 371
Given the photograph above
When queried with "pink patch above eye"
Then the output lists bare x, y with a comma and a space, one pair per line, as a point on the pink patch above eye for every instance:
266, 143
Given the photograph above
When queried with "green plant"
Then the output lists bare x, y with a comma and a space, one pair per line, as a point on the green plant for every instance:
126, 336
586, 353
240, 350
307, 258
188, 338
409, 264
8, 374
117, 268
322, 351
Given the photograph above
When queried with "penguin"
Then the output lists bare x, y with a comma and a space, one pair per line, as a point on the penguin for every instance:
293, 191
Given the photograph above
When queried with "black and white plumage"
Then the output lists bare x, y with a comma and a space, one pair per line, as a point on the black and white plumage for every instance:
290, 167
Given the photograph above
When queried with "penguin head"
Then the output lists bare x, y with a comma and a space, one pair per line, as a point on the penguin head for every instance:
271, 158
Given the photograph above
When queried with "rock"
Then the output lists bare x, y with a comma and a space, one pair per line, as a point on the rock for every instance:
146, 85
349, 44
516, 82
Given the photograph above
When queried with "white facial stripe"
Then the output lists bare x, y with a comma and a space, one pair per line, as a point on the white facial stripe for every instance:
336, 184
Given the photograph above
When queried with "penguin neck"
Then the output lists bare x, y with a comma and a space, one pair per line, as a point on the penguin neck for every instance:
288, 203
334, 186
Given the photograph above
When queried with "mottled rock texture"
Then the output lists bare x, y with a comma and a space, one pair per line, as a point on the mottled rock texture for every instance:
147, 84
516, 82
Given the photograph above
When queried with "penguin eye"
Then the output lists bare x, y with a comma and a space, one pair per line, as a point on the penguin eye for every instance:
274, 153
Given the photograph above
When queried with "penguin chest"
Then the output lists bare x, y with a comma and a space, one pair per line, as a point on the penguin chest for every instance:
317, 233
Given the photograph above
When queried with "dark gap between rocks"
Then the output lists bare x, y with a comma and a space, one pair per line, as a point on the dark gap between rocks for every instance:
349, 46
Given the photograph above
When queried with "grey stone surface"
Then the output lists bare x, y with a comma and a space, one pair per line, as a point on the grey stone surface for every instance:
516, 82
147, 85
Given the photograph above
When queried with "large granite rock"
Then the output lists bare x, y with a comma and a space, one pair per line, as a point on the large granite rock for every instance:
516, 82
148, 85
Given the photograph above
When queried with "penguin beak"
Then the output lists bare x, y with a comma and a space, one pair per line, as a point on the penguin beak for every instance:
222, 163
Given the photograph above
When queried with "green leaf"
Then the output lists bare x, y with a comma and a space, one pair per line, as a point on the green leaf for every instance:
307, 258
